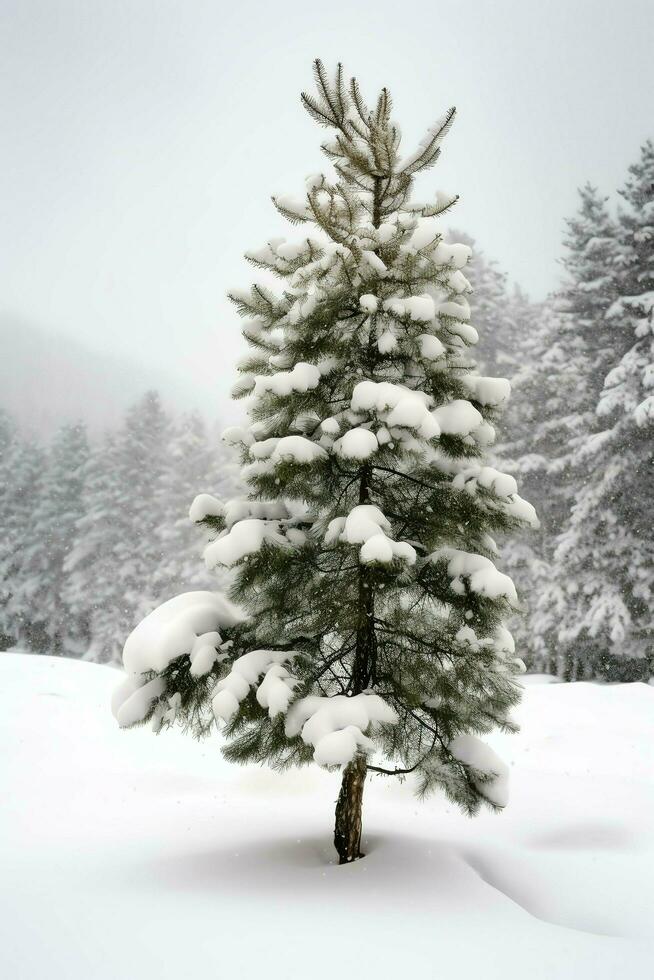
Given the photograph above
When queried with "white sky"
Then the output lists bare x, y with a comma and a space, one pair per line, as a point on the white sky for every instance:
141, 141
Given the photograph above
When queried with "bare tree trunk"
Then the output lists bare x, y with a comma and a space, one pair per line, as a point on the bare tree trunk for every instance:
347, 831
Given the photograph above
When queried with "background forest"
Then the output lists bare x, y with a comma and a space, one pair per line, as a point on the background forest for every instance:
96, 532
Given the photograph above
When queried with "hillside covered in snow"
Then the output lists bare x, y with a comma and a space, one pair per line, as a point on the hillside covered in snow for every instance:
126, 854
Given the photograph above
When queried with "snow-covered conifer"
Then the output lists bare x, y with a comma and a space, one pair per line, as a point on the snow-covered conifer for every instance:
117, 551
606, 555
53, 627
369, 632
93, 586
22, 464
534, 440
8, 441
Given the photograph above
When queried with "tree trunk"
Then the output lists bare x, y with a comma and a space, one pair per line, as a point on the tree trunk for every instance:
347, 831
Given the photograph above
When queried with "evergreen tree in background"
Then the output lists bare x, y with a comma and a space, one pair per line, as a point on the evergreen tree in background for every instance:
587, 340
608, 543
125, 556
363, 551
550, 424
93, 587
53, 628
8, 439
22, 480
534, 450
117, 549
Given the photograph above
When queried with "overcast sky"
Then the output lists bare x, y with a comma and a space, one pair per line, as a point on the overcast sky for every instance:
141, 141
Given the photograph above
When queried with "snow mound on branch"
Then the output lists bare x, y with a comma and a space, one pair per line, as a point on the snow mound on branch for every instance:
458, 418
366, 525
502, 485
363, 521
522, 510
297, 449
426, 233
247, 537
374, 261
368, 303
335, 725
204, 505
490, 774
458, 282
302, 378
418, 308
396, 406
274, 692
173, 627
482, 576
236, 435
488, 391
132, 700
264, 448
189, 624
386, 342
458, 310
267, 510
431, 347
330, 426
358, 443
453, 254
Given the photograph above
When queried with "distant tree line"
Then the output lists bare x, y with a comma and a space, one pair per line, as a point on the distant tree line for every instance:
93, 537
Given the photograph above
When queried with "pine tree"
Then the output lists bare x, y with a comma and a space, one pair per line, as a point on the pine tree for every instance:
585, 296
533, 450
363, 553
8, 442
93, 586
586, 341
53, 627
21, 478
606, 552
564, 352
113, 565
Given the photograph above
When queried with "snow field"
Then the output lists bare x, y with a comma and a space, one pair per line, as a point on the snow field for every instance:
128, 854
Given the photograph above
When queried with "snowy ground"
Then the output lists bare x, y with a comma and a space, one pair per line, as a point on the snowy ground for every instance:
126, 855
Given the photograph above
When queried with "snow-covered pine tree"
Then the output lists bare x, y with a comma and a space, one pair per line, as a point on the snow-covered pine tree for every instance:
562, 350
21, 478
54, 628
607, 547
93, 585
534, 440
117, 549
587, 340
364, 564
8, 440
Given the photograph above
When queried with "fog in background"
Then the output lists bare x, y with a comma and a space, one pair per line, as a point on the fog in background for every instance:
141, 142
